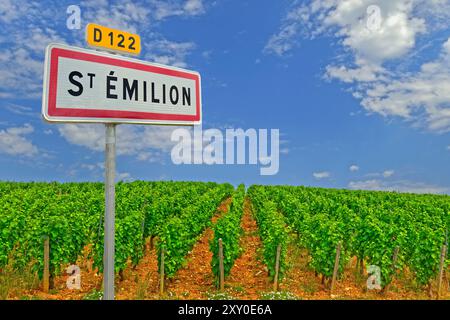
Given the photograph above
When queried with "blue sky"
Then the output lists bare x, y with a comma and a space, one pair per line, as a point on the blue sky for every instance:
356, 107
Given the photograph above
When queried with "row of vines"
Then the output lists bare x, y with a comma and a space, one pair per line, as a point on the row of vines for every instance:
71, 215
370, 226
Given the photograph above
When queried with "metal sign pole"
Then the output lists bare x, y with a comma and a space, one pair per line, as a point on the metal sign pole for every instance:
64, 105
110, 190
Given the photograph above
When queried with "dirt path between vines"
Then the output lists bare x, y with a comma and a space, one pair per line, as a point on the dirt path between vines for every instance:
301, 281
90, 281
248, 277
196, 280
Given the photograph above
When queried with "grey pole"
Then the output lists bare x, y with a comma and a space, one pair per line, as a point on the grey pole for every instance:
110, 190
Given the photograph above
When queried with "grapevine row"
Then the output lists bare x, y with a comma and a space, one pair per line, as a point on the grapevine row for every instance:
228, 228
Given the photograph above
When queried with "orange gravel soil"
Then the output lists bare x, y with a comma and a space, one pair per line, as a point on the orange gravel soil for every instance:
195, 280
248, 277
302, 282
141, 282
90, 280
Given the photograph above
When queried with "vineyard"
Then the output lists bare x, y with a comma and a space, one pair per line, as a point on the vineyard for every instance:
185, 240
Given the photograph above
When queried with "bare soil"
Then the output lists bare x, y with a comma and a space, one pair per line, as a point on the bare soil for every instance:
249, 276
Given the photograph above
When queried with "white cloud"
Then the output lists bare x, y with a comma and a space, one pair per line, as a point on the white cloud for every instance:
399, 186
123, 176
146, 143
11, 10
384, 174
365, 185
388, 173
395, 37
90, 167
90, 136
29, 26
363, 72
21, 110
13, 142
347, 21
353, 168
321, 175
194, 7
165, 9
170, 53
438, 9
40, 37
282, 42
423, 94
128, 14
419, 96
97, 169
19, 73
124, 15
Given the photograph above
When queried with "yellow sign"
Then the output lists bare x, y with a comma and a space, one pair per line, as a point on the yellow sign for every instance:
112, 39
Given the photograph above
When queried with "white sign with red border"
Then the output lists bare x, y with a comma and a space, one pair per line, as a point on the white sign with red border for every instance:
83, 85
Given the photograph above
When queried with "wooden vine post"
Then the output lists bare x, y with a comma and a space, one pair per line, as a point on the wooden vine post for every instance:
441, 269
143, 233
221, 270
394, 261
336, 266
277, 268
46, 277
161, 279
151, 242
361, 266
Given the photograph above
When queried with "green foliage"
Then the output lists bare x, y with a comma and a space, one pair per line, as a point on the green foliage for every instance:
272, 229
71, 215
228, 228
66, 213
370, 226
94, 295
178, 234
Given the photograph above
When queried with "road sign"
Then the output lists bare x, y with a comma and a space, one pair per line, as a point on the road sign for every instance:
89, 86
83, 85
112, 39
